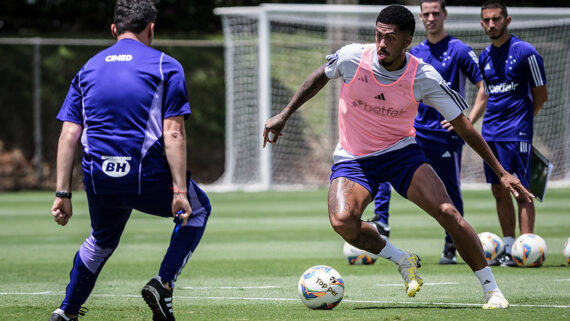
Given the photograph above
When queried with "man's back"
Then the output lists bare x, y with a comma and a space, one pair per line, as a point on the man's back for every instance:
121, 96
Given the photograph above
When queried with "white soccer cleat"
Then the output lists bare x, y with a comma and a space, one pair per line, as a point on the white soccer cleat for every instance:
495, 300
408, 266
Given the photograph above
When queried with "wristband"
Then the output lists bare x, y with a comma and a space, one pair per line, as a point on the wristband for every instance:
63, 194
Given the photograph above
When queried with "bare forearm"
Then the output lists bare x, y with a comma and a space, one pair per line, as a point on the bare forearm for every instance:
175, 149
310, 87
539, 98
70, 133
480, 104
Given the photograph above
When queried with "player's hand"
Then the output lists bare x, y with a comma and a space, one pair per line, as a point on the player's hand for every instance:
513, 185
273, 125
61, 210
446, 125
180, 203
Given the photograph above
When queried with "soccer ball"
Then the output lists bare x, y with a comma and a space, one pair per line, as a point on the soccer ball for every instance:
566, 250
321, 287
529, 250
492, 245
357, 256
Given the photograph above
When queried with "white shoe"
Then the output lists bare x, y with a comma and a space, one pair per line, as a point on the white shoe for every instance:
408, 266
495, 300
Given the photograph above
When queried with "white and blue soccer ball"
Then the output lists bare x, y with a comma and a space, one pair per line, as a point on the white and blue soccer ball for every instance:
492, 245
321, 288
355, 255
529, 250
566, 250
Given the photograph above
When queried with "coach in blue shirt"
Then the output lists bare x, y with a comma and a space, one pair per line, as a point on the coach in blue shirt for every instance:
515, 83
456, 62
128, 104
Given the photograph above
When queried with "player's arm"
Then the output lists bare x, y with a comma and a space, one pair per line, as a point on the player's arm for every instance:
433, 90
465, 129
536, 75
480, 103
478, 107
174, 134
310, 87
61, 209
539, 97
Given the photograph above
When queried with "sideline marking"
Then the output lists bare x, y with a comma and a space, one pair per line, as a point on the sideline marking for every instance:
437, 283
291, 299
229, 287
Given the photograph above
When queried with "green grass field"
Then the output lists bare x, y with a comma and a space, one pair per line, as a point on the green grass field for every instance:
254, 250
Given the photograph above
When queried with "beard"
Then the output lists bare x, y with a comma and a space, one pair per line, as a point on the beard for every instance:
499, 34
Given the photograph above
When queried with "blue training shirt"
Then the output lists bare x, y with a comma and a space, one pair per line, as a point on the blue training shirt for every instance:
509, 72
455, 61
120, 97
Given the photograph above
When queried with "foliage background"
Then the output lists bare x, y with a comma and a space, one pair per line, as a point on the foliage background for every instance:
86, 19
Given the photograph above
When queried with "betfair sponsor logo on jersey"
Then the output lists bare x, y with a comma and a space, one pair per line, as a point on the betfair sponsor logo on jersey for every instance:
502, 88
384, 111
114, 58
116, 166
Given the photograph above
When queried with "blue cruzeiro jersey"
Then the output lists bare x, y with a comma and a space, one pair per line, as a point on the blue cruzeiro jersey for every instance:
120, 97
455, 61
509, 72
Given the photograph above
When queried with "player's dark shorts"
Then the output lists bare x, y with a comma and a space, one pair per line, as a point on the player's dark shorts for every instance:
396, 167
110, 212
515, 159
445, 158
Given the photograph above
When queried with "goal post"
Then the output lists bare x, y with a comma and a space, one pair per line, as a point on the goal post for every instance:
271, 48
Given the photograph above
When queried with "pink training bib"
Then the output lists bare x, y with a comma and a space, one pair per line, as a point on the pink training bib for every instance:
373, 116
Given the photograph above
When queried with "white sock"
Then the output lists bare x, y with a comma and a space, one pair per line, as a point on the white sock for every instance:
391, 252
485, 276
508, 240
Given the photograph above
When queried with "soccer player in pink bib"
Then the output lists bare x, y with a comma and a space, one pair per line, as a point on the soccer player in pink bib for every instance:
381, 89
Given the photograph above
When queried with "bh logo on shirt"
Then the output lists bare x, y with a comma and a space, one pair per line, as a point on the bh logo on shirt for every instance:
116, 166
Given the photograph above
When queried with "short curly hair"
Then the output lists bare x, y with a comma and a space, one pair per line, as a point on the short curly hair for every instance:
134, 15
398, 15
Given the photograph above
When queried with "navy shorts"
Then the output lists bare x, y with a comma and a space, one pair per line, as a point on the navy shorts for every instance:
445, 158
110, 213
515, 159
396, 167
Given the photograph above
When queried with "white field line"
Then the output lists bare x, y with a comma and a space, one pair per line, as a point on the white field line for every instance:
292, 299
229, 287
436, 283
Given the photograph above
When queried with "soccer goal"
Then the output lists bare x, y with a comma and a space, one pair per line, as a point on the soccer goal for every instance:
270, 49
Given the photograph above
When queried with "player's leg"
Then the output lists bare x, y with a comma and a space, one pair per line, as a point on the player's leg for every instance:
108, 219
346, 203
503, 200
428, 192
381, 208
158, 291
185, 240
507, 220
526, 210
445, 159
526, 216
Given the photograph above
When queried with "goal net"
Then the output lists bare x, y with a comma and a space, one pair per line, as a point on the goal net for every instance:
270, 49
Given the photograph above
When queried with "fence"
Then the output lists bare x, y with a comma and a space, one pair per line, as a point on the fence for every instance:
35, 74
